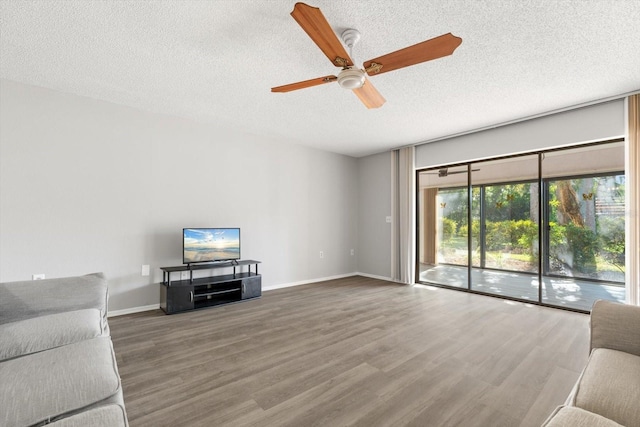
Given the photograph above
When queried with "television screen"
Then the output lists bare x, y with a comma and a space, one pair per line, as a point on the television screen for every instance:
210, 244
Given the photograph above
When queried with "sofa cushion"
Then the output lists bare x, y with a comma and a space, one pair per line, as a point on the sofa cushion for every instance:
33, 298
47, 332
570, 416
43, 386
107, 416
610, 386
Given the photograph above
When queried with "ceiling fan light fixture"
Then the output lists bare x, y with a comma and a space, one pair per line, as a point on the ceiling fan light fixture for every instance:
351, 78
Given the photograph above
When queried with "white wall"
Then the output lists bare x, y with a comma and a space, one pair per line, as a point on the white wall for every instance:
374, 205
587, 124
90, 186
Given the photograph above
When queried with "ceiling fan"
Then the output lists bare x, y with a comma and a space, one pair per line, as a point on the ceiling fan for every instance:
316, 26
445, 172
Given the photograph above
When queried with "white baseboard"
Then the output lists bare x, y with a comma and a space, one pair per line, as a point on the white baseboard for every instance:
113, 313
306, 282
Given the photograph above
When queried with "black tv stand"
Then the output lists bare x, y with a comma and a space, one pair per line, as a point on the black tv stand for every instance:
201, 292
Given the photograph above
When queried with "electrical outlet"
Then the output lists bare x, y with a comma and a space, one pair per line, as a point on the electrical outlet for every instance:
353, 251
184, 275
145, 270
321, 254
388, 219
38, 276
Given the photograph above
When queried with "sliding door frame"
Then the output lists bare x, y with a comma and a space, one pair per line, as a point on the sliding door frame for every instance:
543, 223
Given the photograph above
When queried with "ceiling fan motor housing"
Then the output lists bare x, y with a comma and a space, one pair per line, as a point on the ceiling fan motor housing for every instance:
350, 37
351, 78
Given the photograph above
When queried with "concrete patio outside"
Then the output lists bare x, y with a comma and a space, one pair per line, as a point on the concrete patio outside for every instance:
566, 292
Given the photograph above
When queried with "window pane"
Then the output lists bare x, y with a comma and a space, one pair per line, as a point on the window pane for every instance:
511, 228
452, 223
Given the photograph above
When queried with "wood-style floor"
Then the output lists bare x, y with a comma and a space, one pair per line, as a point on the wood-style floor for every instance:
354, 351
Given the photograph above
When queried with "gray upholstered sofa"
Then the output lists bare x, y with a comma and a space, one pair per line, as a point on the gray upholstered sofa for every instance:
57, 364
607, 393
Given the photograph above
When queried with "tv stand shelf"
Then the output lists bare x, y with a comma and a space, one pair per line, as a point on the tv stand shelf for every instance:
201, 292
166, 271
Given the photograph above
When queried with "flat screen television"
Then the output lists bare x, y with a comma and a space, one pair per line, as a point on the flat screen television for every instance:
210, 244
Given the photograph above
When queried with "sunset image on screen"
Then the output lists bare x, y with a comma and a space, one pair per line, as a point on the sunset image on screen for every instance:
211, 244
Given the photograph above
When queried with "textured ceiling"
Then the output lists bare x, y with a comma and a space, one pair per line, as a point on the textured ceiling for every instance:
215, 61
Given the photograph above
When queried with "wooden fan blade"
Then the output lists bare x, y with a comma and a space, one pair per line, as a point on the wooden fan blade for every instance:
304, 84
316, 26
369, 95
425, 51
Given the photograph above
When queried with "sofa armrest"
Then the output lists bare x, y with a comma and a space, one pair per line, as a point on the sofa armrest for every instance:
33, 298
615, 326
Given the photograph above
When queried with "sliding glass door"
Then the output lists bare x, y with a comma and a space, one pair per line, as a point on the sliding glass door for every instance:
505, 206
443, 217
585, 216
546, 227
